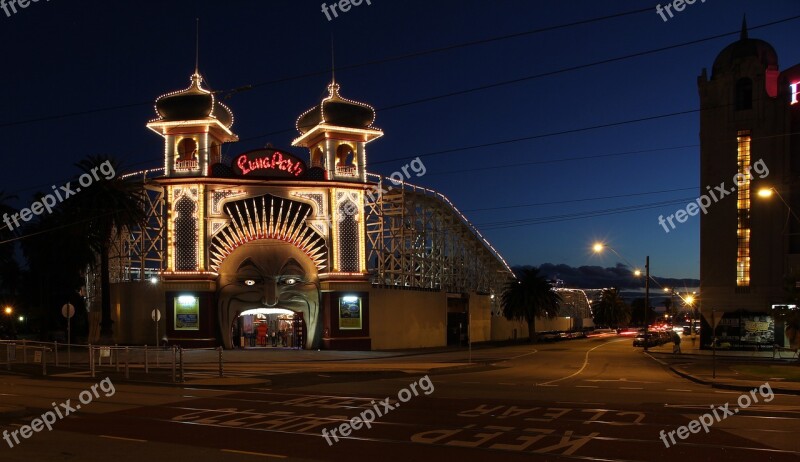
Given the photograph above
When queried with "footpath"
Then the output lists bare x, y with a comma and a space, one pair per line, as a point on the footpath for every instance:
734, 370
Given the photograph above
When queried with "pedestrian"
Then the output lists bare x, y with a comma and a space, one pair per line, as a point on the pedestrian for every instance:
676, 339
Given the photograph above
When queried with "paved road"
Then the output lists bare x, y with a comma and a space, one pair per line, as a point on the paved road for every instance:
595, 399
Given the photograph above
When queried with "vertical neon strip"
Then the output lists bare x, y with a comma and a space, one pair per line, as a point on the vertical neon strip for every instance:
362, 231
334, 236
171, 216
794, 92
201, 227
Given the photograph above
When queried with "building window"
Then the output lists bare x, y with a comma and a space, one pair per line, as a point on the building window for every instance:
743, 210
744, 94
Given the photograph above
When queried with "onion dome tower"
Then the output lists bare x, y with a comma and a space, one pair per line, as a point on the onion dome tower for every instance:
194, 126
336, 132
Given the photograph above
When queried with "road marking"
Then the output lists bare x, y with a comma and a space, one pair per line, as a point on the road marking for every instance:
123, 439
262, 454
585, 363
543, 385
677, 389
586, 386
631, 388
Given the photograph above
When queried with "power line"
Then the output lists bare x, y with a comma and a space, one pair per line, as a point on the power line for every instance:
389, 59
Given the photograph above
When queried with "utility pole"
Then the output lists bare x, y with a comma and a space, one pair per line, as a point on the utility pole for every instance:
646, 297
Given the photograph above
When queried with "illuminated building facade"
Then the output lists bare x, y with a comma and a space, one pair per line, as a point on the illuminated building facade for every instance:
748, 245
300, 249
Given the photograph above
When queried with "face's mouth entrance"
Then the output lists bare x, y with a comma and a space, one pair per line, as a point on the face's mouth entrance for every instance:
265, 311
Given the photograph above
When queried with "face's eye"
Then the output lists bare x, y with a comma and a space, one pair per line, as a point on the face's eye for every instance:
290, 281
249, 282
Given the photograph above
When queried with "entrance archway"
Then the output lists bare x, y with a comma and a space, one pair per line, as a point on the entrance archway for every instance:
268, 328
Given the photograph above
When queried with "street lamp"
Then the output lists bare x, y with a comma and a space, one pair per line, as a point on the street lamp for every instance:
767, 192
598, 247
8, 310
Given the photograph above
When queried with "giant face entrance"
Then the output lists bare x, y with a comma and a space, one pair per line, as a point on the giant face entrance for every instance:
268, 328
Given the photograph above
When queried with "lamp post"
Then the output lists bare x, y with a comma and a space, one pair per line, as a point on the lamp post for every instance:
598, 247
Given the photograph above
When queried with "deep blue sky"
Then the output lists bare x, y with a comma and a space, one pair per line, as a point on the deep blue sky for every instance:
71, 56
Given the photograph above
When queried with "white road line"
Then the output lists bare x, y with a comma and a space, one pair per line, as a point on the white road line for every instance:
260, 454
585, 362
544, 385
122, 439
631, 388
586, 386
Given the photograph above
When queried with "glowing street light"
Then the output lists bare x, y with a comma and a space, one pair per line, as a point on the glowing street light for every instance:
599, 247
767, 192
8, 310
637, 273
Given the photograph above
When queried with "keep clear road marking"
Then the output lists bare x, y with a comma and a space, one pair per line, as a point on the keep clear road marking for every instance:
585, 363
260, 454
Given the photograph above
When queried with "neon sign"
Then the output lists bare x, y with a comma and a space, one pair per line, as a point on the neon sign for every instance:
794, 88
269, 163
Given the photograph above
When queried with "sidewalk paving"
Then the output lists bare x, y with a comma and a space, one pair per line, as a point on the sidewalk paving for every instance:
734, 370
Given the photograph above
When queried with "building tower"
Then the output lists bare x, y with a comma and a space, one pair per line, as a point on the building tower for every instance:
744, 243
194, 126
336, 133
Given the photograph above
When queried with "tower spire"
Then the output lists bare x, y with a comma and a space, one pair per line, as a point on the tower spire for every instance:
744, 28
197, 47
333, 61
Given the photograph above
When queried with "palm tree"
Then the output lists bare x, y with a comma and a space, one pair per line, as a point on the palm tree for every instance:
113, 205
529, 297
611, 310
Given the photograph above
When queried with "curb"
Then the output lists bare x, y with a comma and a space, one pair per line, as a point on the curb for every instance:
718, 384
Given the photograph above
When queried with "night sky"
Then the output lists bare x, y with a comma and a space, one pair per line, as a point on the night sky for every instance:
72, 58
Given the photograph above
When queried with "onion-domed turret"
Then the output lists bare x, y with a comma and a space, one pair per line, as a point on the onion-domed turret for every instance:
337, 111
193, 103
745, 47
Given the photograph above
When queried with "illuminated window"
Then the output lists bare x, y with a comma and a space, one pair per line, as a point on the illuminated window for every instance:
187, 155
317, 157
743, 210
345, 161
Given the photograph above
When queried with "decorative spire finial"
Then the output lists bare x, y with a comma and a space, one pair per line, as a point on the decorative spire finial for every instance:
197, 47
744, 28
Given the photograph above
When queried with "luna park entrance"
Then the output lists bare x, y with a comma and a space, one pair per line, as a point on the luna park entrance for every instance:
268, 328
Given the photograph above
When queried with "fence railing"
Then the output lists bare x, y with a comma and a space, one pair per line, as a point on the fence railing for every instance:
93, 358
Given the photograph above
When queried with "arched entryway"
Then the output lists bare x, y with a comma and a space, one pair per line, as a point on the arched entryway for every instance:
268, 328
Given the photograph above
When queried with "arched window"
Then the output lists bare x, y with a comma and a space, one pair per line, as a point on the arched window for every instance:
316, 157
187, 149
216, 153
345, 160
744, 94
185, 235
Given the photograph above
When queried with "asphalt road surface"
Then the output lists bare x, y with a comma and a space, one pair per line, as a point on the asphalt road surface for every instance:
593, 399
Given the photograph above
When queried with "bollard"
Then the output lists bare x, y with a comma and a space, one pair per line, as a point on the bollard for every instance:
146, 368
127, 363
180, 356
173, 364
9, 346
55, 351
91, 360
24, 353
220, 361
44, 360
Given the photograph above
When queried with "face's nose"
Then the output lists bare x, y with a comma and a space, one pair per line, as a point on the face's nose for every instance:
270, 294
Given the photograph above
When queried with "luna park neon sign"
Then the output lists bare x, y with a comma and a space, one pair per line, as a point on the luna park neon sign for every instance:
269, 163
794, 90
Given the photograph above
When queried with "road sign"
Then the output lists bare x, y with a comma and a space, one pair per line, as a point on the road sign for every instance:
714, 320
68, 310
155, 315
37, 357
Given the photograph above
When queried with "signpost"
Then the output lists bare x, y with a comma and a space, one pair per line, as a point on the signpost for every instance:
156, 316
68, 311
